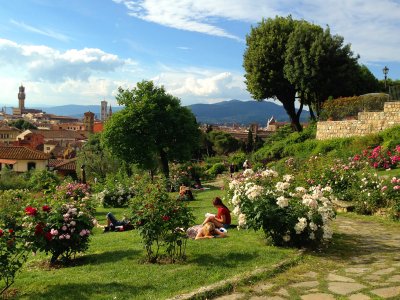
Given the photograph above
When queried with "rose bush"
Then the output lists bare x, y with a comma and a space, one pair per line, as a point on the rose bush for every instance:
161, 221
289, 215
63, 226
116, 191
13, 249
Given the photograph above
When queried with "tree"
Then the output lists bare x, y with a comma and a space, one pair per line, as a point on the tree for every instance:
223, 142
97, 160
152, 127
319, 65
264, 61
22, 124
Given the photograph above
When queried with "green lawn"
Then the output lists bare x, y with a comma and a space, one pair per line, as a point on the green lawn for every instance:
112, 268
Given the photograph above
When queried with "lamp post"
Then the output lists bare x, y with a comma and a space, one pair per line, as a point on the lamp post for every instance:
385, 72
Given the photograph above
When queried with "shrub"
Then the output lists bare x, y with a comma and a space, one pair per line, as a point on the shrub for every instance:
62, 229
216, 169
10, 180
289, 215
117, 191
43, 180
161, 221
13, 254
13, 250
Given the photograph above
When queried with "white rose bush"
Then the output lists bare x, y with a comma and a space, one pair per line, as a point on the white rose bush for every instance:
289, 215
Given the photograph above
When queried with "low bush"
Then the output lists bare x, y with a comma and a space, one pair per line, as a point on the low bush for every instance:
216, 169
289, 215
161, 221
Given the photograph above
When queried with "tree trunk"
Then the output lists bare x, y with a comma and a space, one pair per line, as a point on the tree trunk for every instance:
312, 115
291, 111
164, 163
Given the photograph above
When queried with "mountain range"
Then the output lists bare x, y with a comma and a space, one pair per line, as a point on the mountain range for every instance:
225, 112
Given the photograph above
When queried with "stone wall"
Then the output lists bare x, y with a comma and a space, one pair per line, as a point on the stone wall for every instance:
367, 123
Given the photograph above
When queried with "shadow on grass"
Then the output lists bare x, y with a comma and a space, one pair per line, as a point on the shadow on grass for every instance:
226, 260
110, 290
107, 257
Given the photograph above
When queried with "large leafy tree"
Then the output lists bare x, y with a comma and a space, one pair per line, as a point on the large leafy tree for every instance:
286, 56
152, 128
320, 65
264, 61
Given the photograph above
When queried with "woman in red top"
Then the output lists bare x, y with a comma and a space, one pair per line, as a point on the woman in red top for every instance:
223, 217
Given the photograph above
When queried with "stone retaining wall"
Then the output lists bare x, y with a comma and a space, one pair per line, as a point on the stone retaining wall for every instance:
367, 123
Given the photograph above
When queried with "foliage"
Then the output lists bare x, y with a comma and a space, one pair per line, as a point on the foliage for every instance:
116, 191
62, 229
12, 247
345, 107
264, 61
153, 126
22, 124
319, 65
43, 180
61, 225
10, 180
98, 161
13, 254
161, 221
217, 168
223, 142
289, 215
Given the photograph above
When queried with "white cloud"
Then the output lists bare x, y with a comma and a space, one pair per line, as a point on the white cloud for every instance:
371, 27
45, 32
42, 63
195, 85
197, 16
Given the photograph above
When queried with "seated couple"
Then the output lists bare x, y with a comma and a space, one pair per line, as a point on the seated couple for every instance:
213, 223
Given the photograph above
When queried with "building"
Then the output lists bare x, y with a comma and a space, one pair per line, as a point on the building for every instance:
88, 121
8, 134
21, 104
104, 115
22, 159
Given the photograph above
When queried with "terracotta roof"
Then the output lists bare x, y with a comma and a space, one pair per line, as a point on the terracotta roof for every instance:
6, 127
67, 164
51, 142
61, 134
19, 152
54, 162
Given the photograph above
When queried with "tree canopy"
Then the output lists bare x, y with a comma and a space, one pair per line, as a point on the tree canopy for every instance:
286, 56
22, 124
152, 128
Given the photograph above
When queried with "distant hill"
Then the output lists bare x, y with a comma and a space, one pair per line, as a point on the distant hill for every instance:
226, 112
77, 111
240, 112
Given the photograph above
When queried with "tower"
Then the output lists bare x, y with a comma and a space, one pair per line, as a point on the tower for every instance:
21, 98
88, 121
103, 112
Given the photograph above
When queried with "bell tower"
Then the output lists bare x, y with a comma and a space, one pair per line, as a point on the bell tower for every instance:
21, 98
88, 121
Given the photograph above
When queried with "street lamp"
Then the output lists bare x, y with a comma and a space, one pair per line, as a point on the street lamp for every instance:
385, 72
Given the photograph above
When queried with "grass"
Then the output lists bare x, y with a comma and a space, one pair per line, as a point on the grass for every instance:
113, 266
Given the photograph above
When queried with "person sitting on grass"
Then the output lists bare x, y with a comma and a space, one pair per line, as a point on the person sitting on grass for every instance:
185, 193
208, 231
223, 217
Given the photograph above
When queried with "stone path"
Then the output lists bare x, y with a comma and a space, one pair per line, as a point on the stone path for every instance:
363, 264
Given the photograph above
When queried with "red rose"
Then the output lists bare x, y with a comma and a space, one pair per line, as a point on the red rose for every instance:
10, 231
1, 233
48, 236
46, 208
30, 211
166, 218
39, 229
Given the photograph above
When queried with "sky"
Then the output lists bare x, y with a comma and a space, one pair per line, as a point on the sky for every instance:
81, 51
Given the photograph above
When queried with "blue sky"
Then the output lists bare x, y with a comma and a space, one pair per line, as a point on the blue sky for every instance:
80, 51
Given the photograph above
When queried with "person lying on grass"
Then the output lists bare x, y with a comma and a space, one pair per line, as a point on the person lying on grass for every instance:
208, 231
114, 225
223, 217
